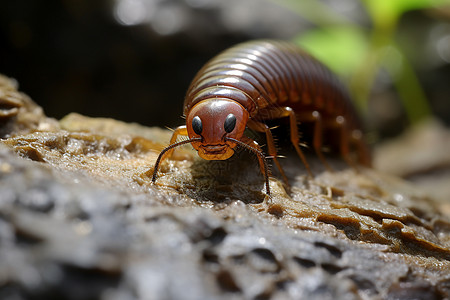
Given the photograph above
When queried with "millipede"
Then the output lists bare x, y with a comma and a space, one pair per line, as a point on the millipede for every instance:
254, 82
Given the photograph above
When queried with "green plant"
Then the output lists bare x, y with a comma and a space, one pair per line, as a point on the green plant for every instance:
359, 53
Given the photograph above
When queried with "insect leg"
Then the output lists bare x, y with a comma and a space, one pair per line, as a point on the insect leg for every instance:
180, 130
271, 148
363, 151
316, 118
167, 152
340, 124
281, 112
254, 147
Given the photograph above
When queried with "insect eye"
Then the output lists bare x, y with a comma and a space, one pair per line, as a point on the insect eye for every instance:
197, 125
230, 123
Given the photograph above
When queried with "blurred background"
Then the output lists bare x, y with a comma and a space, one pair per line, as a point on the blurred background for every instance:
133, 60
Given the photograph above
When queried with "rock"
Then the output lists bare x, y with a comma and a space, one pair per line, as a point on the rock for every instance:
428, 166
80, 219
18, 113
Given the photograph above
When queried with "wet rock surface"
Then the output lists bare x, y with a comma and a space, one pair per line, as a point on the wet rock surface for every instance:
80, 219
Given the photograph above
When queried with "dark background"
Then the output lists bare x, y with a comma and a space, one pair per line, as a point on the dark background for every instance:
89, 57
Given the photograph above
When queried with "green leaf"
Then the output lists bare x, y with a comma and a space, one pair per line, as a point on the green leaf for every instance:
387, 12
341, 48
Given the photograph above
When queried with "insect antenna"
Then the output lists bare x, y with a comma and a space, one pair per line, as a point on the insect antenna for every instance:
262, 159
158, 160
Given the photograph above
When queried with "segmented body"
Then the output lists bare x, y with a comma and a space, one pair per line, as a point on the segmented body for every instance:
269, 80
263, 74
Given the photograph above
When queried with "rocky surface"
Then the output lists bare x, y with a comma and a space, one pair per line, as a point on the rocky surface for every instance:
80, 219
428, 166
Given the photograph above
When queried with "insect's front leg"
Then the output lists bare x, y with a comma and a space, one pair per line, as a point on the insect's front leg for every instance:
180, 130
255, 148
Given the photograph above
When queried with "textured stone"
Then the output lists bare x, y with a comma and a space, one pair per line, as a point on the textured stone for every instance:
80, 219
428, 166
18, 113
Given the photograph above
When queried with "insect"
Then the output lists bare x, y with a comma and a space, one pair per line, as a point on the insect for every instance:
262, 80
